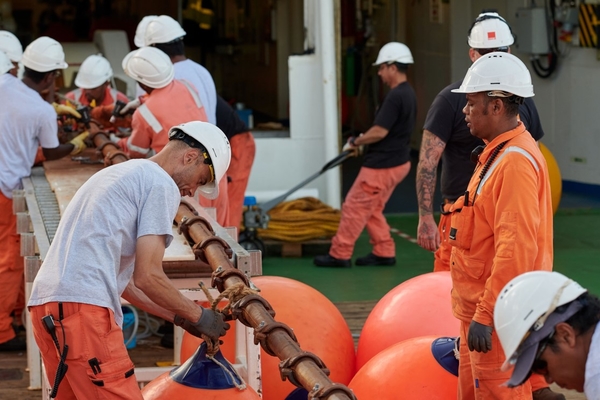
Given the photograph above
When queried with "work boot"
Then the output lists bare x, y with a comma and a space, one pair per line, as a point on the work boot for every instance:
372, 259
547, 394
329, 261
14, 344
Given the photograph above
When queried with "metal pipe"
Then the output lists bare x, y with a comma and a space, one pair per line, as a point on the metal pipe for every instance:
305, 371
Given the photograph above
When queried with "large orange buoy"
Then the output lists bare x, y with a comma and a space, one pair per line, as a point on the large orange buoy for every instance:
200, 378
318, 325
420, 306
408, 371
554, 175
190, 343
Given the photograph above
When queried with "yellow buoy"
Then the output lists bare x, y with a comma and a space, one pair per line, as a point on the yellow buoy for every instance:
554, 175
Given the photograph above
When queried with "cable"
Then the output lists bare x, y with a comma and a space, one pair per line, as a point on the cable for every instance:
135, 324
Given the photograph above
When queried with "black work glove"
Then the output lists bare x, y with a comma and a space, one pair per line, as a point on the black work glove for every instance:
480, 337
211, 324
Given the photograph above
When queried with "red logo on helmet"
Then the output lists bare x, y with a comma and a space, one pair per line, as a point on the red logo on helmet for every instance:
491, 35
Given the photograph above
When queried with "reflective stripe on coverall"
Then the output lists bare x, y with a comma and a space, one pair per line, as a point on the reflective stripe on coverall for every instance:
110, 97
502, 230
11, 267
92, 335
363, 206
164, 108
243, 149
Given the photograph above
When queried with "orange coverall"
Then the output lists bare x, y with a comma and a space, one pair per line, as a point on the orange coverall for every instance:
363, 207
104, 342
502, 230
442, 255
243, 149
109, 97
164, 108
11, 267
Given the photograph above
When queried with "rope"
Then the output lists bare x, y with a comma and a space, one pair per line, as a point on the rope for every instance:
301, 220
233, 294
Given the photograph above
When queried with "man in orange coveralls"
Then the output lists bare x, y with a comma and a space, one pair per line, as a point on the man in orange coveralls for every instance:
93, 84
502, 225
386, 164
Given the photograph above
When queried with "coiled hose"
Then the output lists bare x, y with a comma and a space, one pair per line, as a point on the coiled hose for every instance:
300, 220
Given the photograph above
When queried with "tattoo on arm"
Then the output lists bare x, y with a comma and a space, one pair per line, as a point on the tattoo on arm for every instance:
432, 148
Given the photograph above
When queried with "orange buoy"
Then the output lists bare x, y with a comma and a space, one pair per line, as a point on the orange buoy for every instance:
318, 325
201, 378
408, 371
420, 306
190, 343
554, 176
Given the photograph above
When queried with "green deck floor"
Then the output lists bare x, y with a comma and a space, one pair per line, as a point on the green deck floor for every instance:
576, 254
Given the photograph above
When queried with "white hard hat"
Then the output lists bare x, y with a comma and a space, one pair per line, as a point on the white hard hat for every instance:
44, 54
11, 46
490, 31
149, 66
497, 71
217, 147
162, 29
524, 313
5, 63
394, 52
140, 31
94, 71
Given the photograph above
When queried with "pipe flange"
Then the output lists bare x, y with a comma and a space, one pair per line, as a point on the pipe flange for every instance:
108, 158
220, 275
324, 392
104, 144
261, 333
287, 367
189, 207
184, 227
200, 248
237, 309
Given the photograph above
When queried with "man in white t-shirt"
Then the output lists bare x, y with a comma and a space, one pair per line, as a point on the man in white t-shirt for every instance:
109, 244
548, 325
164, 33
26, 122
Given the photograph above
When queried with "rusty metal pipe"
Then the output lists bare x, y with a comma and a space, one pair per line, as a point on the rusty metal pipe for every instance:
306, 371
110, 151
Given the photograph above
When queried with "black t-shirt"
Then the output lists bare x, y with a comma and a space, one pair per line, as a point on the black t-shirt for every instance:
228, 120
397, 114
446, 120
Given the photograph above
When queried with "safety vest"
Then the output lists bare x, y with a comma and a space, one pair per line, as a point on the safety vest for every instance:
153, 122
147, 115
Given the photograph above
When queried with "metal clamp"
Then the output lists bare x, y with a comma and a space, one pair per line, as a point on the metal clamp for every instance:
104, 144
287, 367
200, 248
184, 227
188, 206
324, 392
237, 309
220, 275
112, 154
262, 331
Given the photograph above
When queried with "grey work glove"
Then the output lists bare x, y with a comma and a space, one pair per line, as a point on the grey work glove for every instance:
211, 324
480, 337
